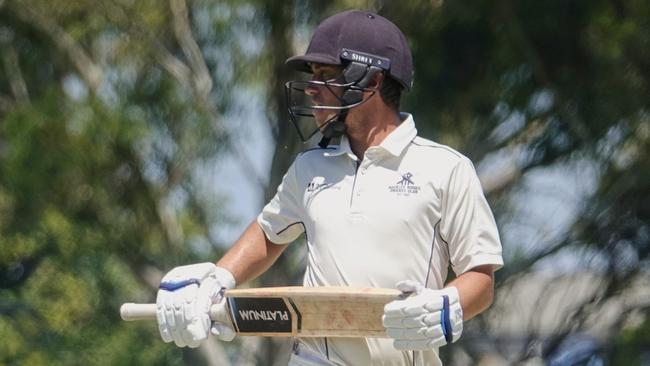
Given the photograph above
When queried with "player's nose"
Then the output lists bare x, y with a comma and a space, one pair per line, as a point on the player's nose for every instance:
311, 90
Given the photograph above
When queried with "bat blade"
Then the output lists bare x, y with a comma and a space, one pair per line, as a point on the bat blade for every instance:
295, 311
309, 311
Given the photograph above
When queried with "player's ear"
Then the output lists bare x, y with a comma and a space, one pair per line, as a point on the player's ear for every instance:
376, 81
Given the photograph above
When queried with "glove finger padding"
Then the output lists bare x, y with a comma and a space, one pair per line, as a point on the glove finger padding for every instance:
406, 322
163, 325
181, 305
199, 328
412, 306
415, 333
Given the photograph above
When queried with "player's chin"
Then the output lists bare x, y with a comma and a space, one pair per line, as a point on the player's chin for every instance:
322, 117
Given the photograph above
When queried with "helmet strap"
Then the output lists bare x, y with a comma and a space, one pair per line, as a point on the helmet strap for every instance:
333, 129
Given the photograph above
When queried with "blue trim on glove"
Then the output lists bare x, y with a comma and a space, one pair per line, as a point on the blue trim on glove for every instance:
173, 286
445, 321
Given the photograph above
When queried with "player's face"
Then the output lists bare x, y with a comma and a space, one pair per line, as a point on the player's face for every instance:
324, 95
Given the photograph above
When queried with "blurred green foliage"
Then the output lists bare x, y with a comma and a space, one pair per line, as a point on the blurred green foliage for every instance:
110, 109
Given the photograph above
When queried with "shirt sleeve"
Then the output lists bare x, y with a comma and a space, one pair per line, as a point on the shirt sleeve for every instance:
281, 219
467, 225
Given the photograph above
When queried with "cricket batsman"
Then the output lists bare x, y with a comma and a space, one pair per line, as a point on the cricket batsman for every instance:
379, 206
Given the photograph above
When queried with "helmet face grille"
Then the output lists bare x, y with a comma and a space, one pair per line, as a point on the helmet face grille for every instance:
311, 116
303, 110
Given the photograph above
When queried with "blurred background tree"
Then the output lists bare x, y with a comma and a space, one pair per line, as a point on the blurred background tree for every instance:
137, 136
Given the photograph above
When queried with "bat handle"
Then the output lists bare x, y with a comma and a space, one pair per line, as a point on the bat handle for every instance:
131, 312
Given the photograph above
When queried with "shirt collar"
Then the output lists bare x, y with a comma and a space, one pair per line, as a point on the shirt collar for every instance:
342, 148
394, 143
400, 137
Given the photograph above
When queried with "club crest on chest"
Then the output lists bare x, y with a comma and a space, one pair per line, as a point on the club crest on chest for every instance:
405, 185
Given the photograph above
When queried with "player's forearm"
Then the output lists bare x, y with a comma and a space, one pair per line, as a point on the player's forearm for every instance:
251, 255
475, 289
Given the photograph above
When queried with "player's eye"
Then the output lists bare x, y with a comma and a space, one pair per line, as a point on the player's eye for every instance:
318, 77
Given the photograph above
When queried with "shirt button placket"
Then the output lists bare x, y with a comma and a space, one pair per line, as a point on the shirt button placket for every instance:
363, 169
356, 194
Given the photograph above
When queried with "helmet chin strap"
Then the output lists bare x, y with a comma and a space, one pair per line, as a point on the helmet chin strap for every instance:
362, 74
334, 129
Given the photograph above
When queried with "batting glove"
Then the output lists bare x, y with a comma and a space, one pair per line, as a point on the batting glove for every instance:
183, 304
428, 319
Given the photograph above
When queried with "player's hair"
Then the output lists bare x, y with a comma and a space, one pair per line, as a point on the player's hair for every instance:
391, 92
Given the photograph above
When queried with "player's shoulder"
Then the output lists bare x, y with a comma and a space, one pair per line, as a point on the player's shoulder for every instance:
315, 153
314, 157
445, 159
436, 150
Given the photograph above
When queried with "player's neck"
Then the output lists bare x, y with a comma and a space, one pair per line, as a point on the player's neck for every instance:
370, 128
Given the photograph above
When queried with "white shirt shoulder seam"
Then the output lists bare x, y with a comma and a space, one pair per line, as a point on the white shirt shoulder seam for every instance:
419, 141
314, 154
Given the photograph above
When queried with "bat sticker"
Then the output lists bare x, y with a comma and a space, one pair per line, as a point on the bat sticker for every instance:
260, 315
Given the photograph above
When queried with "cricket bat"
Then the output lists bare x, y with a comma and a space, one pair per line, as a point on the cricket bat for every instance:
294, 311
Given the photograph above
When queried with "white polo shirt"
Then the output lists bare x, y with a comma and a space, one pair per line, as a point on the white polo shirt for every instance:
408, 210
